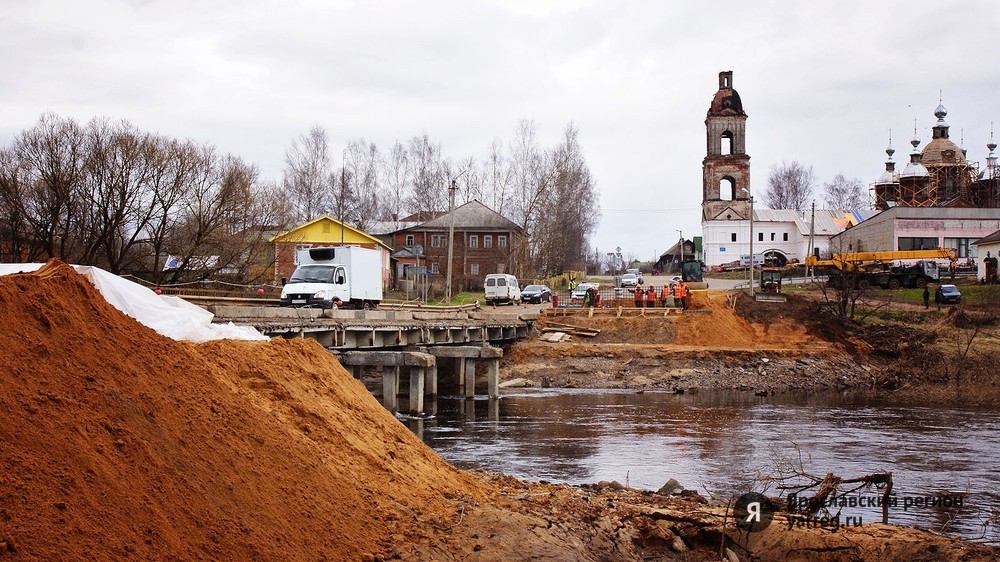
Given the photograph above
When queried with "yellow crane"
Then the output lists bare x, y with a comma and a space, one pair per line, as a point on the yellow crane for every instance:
875, 268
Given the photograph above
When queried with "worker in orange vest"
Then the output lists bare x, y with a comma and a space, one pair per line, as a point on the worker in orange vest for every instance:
638, 296
651, 297
664, 293
680, 294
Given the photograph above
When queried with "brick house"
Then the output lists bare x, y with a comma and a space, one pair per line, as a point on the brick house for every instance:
322, 231
484, 243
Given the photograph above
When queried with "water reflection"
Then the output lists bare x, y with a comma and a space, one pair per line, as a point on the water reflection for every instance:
722, 443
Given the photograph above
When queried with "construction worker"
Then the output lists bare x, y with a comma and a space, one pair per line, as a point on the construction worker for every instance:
680, 294
572, 283
638, 296
664, 293
651, 297
595, 297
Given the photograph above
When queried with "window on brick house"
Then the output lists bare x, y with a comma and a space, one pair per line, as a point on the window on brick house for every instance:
474, 268
502, 241
473, 240
434, 267
409, 239
487, 240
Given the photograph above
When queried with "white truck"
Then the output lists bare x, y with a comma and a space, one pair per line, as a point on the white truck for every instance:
351, 274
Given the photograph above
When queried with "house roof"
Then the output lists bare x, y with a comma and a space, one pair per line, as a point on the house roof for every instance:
384, 228
676, 249
472, 215
988, 239
326, 230
828, 221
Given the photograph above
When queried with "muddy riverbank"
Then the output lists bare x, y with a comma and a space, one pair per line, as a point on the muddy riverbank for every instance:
737, 344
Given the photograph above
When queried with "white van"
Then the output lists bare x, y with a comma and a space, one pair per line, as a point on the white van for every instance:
501, 287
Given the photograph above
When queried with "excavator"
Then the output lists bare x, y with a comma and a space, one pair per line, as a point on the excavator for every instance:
869, 269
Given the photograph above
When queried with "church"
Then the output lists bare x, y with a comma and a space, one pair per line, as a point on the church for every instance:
780, 235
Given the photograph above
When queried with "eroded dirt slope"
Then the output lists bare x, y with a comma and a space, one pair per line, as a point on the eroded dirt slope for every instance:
117, 441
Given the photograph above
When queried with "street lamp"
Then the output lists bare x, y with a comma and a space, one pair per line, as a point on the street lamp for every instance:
682, 251
751, 237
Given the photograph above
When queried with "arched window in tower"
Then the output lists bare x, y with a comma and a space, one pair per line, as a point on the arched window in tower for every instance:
726, 144
727, 189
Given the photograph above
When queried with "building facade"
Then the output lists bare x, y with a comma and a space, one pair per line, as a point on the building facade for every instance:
322, 231
780, 235
484, 242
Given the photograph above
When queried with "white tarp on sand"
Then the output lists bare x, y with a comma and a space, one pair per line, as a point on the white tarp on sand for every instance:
169, 316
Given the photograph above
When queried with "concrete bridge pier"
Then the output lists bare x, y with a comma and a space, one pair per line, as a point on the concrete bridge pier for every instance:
465, 362
420, 366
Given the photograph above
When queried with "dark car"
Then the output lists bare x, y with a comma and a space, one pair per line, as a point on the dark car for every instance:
536, 294
947, 294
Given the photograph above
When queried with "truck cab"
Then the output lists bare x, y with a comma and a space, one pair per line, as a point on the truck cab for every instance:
316, 285
329, 277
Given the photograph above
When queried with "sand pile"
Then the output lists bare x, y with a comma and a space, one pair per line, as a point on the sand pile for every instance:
721, 328
117, 442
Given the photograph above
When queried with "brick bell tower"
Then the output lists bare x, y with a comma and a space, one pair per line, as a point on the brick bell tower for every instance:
726, 168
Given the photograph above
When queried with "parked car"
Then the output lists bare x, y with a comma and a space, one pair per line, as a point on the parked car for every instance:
674, 280
635, 271
629, 280
580, 291
948, 294
536, 294
500, 287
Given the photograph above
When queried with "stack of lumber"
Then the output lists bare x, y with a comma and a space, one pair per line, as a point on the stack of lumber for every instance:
552, 327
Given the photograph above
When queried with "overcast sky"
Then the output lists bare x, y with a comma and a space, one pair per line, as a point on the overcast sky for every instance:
822, 83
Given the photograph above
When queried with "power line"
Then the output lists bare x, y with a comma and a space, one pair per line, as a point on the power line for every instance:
675, 210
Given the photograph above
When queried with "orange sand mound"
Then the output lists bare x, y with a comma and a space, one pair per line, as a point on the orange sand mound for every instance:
116, 442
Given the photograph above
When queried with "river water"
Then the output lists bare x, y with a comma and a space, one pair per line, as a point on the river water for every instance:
724, 444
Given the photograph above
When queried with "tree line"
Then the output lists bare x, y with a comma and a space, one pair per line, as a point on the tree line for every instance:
548, 192
106, 193
791, 186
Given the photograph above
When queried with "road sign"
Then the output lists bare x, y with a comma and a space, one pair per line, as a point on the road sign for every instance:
758, 259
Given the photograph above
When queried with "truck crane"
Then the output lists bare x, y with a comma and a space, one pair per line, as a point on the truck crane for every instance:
867, 269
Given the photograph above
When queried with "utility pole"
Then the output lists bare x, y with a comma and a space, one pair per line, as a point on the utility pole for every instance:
343, 192
751, 245
451, 236
451, 230
811, 274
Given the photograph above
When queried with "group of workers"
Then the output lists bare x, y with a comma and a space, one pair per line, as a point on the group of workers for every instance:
648, 296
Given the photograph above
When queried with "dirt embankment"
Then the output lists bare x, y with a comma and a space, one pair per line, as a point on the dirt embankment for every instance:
117, 443
718, 346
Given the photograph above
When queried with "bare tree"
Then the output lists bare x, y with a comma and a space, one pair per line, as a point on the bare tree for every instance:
15, 179
364, 162
55, 151
396, 171
498, 177
307, 174
843, 193
789, 186
428, 193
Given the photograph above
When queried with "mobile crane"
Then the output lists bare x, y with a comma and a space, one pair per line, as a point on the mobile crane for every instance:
866, 269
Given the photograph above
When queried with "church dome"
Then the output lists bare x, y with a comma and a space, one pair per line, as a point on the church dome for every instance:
727, 100
943, 152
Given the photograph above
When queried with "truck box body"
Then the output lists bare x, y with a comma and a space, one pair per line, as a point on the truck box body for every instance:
351, 273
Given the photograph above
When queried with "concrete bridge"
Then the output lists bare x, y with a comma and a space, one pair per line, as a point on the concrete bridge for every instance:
411, 343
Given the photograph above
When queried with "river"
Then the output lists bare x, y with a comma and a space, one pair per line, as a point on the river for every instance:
725, 443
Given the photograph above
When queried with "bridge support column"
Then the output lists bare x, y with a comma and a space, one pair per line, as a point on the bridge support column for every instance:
417, 390
390, 388
460, 373
431, 382
493, 378
470, 378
